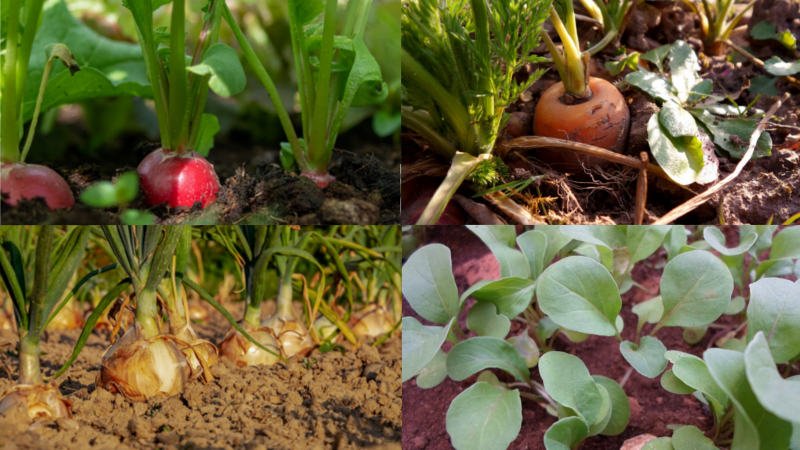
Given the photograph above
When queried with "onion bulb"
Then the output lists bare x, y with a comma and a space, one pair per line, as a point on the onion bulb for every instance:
197, 311
200, 353
372, 321
242, 352
6, 323
69, 318
142, 369
38, 400
292, 334
325, 328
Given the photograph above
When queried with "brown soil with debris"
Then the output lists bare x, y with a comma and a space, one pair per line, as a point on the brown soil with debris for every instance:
652, 408
329, 401
767, 189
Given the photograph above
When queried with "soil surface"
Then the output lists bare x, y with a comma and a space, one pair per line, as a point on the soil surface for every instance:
329, 401
652, 408
254, 187
767, 189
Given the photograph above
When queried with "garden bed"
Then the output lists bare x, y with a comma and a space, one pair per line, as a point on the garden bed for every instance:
765, 189
328, 401
254, 188
652, 409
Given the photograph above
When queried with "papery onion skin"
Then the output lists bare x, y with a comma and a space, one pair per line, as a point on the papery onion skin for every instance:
195, 348
237, 348
292, 335
38, 400
372, 321
69, 318
143, 369
197, 311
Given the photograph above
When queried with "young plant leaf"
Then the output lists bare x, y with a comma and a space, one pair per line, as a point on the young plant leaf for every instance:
647, 358
526, 347
568, 382
479, 353
691, 438
501, 240
484, 418
677, 121
693, 372
675, 241
763, 85
610, 237
226, 72
643, 241
108, 68
657, 56
786, 244
778, 67
756, 428
534, 246
716, 239
209, 127
649, 311
428, 283
683, 66
420, 344
566, 434
484, 320
675, 385
775, 309
556, 240
581, 295
653, 85
662, 443
510, 295
696, 288
777, 395
620, 406
681, 157
105, 194
693, 335
736, 306
434, 373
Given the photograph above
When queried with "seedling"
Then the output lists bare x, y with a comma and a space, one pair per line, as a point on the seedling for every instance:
579, 296
334, 72
177, 173
456, 87
691, 119
25, 61
613, 17
56, 260
105, 194
573, 108
717, 21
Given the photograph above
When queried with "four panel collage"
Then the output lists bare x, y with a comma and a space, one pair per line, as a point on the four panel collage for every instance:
218, 216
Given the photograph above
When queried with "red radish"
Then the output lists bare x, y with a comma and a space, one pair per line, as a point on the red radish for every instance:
179, 179
322, 179
28, 181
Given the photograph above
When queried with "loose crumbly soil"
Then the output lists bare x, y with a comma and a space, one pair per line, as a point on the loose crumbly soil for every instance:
768, 187
652, 408
254, 189
337, 402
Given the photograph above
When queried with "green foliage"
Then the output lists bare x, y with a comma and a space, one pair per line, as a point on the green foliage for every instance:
673, 132
463, 83
105, 194
488, 173
765, 30
579, 295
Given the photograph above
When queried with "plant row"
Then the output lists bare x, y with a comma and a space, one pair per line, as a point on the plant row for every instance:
746, 380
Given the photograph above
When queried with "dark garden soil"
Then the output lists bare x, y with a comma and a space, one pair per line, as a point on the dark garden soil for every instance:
768, 188
652, 408
254, 187
330, 401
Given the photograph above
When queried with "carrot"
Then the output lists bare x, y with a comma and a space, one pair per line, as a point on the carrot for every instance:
603, 121
579, 108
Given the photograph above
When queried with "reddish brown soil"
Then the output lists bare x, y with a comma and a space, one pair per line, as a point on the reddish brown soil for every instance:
652, 408
330, 401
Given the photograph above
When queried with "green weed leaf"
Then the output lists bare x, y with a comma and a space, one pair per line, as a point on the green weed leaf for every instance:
566, 434
681, 157
696, 288
420, 344
777, 395
510, 295
716, 239
620, 406
691, 438
434, 373
568, 382
775, 309
501, 240
786, 244
484, 320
